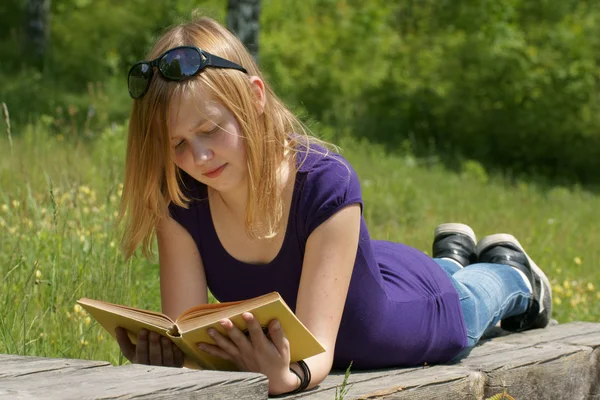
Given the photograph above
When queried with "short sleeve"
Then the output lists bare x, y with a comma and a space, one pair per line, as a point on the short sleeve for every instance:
331, 184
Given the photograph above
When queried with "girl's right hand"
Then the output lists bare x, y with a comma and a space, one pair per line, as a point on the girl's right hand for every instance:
151, 349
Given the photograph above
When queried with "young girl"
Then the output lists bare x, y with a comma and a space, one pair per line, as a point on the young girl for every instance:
244, 201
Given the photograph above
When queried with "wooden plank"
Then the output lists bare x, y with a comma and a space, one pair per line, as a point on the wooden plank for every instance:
560, 333
559, 362
567, 376
438, 382
14, 366
136, 382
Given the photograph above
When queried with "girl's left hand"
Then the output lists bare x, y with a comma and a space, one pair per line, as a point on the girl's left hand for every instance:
255, 353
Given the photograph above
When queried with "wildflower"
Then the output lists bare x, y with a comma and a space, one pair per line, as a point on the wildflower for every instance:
577, 260
5, 207
112, 243
38, 274
590, 286
16, 203
557, 301
83, 342
84, 189
77, 308
87, 321
43, 210
60, 137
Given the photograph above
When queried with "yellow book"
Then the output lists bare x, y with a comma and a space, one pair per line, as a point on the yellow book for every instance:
191, 327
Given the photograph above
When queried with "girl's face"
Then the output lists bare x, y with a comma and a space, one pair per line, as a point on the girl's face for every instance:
207, 141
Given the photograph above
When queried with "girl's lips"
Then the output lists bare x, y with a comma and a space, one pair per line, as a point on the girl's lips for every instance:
215, 172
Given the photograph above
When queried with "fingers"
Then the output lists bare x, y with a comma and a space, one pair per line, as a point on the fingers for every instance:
215, 351
127, 348
141, 351
237, 342
155, 349
178, 357
278, 338
167, 352
257, 335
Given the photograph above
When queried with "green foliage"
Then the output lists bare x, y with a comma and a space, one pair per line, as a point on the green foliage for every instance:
58, 242
510, 84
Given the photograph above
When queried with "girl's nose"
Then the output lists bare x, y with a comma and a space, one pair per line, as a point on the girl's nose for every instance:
201, 153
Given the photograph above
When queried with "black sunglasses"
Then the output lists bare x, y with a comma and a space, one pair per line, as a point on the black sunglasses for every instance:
177, 64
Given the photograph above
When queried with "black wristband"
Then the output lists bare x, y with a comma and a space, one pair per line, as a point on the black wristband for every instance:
307, 376
304, 380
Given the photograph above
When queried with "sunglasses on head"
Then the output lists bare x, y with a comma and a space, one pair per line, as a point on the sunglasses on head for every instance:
177, 64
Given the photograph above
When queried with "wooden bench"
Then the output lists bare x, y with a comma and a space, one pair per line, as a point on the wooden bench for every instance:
560, 362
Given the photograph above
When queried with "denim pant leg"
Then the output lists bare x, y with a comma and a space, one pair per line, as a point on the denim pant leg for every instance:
488, 293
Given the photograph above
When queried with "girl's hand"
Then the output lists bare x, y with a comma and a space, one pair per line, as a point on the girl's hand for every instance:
151, 349
256, 352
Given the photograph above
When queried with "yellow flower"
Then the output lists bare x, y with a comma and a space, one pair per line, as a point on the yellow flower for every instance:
38, 274
87, 321
567, 284
557, 301
590, 286
5, 207
577, 260
16, 203
557, 289
84, 342
77, 308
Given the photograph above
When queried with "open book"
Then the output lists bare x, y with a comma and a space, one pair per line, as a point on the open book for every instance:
191, 327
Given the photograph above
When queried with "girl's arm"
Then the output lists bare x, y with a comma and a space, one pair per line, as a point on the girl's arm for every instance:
182, 285
328, 263
182, 278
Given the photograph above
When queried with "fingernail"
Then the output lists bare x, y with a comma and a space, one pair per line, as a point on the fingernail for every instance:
212, 332
223, 323
202, 346
247, 316
276, 325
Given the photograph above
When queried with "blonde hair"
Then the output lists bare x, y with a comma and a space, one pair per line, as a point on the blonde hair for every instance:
152, 180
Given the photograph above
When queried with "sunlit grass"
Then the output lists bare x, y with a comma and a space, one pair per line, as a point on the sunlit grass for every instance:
59, 198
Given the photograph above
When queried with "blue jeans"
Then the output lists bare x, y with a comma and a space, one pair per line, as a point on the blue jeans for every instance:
488, 293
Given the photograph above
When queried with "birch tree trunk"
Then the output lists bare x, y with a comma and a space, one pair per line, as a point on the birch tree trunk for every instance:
243, 19
37, 30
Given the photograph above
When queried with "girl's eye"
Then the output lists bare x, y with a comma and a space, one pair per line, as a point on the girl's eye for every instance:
180, 145
214, 130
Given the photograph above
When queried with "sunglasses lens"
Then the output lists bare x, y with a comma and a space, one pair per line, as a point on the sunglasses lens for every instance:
180, 63
139, 79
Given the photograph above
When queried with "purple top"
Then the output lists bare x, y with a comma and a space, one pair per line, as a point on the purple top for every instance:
401, 309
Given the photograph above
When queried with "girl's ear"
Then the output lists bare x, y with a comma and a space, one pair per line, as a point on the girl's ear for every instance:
258, 87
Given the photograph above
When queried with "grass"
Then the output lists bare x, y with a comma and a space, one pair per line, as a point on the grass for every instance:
58, 200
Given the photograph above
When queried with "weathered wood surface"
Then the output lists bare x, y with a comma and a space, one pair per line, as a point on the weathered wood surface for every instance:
561, 362
49, 379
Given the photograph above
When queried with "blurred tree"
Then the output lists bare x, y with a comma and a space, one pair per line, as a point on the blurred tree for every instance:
243, 19
37, 31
